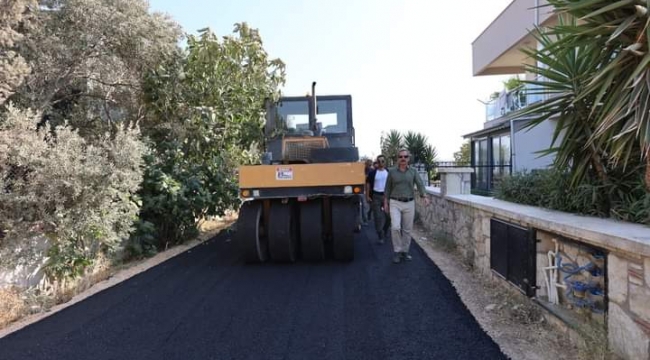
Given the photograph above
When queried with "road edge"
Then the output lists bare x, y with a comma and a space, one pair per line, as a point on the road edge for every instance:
490, 321
118, 277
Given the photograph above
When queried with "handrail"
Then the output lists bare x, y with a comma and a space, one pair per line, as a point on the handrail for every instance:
512, 100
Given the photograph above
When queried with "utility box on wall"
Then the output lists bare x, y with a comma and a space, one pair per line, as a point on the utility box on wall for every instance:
513, 254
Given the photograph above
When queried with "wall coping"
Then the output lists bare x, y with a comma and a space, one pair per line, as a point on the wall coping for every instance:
449, 170
607, 233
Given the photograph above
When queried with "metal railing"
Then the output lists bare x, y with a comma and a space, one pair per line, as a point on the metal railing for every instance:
513, 100
484, 178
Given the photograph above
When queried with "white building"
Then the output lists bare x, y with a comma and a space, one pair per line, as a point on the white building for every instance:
503, 146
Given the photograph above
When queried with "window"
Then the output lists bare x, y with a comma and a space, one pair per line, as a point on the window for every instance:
500, 157
491, 161
294, 115
332, 115
482, 162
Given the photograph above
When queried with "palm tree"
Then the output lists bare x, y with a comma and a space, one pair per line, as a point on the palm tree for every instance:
429, 156
599, 72
415, 143
390, 145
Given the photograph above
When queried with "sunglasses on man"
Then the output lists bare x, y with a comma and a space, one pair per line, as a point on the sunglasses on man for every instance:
403, 156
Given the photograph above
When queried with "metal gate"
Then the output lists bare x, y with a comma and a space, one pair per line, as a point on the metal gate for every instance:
512, 254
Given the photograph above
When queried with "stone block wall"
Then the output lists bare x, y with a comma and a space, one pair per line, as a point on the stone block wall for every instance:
629, 304
465, 220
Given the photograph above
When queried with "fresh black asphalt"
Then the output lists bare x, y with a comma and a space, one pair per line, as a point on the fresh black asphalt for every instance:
207, 304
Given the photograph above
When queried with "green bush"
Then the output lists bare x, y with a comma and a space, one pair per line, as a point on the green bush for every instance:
78, 194
623, 197
205, 118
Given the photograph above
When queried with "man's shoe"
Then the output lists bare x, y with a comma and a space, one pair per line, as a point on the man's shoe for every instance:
397, 258
406, 256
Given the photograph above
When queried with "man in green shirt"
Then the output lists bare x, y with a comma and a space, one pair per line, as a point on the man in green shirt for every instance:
399, 203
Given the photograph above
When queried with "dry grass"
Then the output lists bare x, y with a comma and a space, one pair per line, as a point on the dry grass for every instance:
12, 306
210, 227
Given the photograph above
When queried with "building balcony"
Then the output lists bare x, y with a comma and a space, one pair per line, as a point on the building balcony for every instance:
497, 50
516, 99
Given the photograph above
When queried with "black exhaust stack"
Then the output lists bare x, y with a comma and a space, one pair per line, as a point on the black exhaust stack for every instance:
313, 110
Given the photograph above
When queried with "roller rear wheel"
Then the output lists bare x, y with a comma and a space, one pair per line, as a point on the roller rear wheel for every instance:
311, 231
343, 228
282, 233
250, 235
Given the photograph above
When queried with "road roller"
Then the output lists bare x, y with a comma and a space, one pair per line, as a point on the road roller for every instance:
302, 203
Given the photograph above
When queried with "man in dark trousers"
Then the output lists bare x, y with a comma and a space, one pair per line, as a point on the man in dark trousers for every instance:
375, 184
399, 203
365, 206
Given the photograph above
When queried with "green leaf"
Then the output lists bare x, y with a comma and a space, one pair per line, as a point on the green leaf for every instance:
610, 7
623, 27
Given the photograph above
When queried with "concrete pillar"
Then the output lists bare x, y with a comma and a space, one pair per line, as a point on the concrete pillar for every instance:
455, 181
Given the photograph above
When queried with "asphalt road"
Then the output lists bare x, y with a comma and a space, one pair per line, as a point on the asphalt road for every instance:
206, 304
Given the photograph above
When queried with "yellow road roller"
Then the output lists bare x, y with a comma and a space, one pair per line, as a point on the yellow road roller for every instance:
303, 200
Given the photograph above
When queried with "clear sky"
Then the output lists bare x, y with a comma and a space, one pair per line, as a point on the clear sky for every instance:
406, 63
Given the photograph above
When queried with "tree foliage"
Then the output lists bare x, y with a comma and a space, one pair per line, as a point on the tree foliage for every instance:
512, 83
113, 135
81, 196
70, 165
205, 117
463, 155
14, 15
416, 143
390, 144
88, 58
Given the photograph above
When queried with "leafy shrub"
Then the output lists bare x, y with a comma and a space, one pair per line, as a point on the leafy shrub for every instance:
79, 194
622, 197
205, 118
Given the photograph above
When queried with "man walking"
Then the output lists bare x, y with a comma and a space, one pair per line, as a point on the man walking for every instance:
375, 184
399, 202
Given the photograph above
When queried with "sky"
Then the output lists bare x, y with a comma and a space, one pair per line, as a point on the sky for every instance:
407, 64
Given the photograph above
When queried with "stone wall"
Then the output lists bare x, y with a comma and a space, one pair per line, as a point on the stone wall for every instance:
465, 220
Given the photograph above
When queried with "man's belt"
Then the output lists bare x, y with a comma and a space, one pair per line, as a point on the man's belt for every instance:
378, 192
402, 199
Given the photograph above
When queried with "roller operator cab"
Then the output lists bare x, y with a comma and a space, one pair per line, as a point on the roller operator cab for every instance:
303, 200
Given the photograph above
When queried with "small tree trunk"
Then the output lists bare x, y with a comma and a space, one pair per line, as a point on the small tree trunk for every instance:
600, 169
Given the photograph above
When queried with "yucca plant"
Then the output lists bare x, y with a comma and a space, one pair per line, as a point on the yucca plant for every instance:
599, 71
563, 73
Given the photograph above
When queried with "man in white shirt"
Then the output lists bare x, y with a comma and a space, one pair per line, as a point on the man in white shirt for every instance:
375, 184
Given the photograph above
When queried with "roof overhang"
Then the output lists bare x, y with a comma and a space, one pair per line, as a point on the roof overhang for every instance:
488, 131
497, 50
